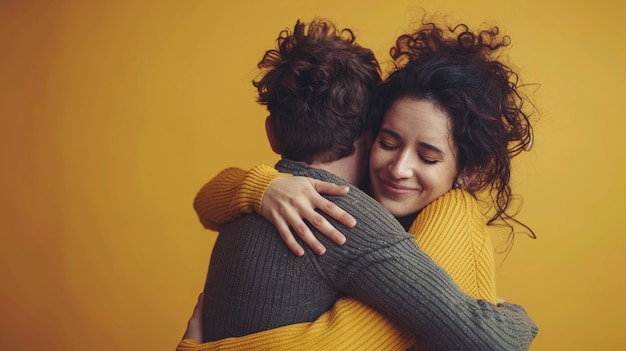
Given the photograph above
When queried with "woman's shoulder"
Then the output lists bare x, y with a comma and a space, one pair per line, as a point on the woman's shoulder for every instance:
455, 201
455, 209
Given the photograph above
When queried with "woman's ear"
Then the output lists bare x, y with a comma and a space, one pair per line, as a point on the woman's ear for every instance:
464, 179
271, 136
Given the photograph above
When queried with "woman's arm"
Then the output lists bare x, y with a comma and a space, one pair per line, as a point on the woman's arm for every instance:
280, 198
232, 193
348, 326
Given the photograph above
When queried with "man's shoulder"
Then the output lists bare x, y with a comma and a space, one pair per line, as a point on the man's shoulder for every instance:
367, 210
251, 220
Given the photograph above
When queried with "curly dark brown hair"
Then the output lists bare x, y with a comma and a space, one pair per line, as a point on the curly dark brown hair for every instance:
464, 74
317, 85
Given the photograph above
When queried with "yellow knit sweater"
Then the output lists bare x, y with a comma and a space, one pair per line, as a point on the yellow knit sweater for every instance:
451, 230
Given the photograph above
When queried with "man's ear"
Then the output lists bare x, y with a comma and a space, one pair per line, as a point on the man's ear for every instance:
269, 130
368, 140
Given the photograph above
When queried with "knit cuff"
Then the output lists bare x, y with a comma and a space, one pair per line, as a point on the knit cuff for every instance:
212, 203
520, 311
250, 193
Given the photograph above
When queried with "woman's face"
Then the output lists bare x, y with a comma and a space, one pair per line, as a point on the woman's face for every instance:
413, 159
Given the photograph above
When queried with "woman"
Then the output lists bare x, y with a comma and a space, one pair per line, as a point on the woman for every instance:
448, 121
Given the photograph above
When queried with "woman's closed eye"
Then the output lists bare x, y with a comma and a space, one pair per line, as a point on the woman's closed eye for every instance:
428, 160
387, 145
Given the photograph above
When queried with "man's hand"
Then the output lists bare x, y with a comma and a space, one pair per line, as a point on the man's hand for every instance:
194, 326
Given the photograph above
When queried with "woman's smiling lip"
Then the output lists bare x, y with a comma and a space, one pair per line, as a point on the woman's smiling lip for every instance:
393, 188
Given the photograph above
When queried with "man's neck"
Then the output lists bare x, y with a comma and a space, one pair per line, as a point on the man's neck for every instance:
340, 168
350, 168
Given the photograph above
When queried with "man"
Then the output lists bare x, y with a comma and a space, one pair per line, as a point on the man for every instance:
317, 87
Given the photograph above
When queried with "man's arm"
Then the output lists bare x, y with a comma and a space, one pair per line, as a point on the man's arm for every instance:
382, 266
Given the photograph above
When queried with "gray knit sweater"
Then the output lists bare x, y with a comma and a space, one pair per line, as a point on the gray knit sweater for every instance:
255, 283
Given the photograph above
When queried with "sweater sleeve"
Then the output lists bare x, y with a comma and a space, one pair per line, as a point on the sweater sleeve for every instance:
382, 266
348, 326
231, 193
453, 232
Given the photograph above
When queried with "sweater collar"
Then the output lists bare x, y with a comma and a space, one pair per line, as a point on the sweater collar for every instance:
302, 169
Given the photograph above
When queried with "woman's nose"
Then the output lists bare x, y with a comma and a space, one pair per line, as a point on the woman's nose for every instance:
400, 167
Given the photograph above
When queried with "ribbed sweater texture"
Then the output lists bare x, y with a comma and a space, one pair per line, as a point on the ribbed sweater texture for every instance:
413, 291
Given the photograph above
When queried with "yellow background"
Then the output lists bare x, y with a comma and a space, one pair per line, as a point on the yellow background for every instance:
114, 113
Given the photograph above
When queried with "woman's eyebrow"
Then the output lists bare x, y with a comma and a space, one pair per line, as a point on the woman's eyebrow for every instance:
423, 144
430, 147
390, 132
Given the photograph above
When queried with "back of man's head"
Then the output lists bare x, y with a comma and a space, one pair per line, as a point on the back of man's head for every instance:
317, 85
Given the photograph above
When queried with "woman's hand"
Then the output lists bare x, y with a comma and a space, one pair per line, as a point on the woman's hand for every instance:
290, 200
